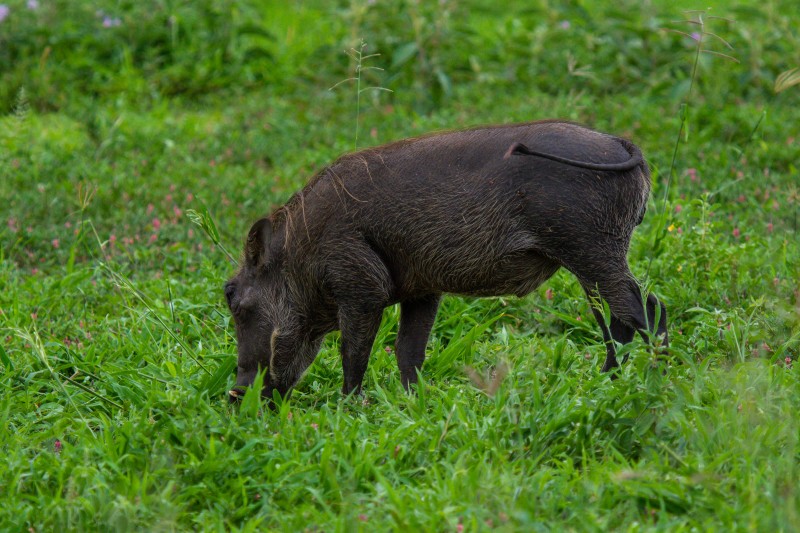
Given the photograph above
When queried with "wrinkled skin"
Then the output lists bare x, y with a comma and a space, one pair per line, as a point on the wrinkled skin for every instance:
485, 212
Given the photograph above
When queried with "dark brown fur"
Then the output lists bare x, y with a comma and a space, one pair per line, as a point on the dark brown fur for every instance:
445, 213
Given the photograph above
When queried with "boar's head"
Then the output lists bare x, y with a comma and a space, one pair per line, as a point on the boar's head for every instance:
268, 325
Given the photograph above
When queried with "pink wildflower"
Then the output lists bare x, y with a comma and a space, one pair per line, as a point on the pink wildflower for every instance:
111, 22
156, 224
55, 243
678, 208
736, 232
548, 294
57, 446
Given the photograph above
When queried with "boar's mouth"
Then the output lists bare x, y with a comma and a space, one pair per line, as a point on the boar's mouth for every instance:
236, 394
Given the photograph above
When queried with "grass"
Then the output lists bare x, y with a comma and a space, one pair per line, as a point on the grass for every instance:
116, 348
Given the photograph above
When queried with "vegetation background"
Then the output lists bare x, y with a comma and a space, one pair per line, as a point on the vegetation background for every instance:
139, 140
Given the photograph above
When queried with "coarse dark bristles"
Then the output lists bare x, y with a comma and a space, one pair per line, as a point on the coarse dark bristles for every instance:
117, 351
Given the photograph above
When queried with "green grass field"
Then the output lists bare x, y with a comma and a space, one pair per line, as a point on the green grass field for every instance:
121, 124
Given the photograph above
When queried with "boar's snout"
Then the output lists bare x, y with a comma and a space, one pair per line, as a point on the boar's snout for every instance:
253, 330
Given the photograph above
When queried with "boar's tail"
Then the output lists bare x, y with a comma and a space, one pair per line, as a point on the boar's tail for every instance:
521, 149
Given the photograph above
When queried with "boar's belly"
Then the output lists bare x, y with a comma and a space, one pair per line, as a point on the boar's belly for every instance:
516, 273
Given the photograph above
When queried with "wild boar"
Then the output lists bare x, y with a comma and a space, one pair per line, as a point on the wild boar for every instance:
489, 211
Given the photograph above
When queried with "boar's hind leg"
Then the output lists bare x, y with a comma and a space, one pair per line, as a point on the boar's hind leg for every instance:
615, 331
628, 313
416, 321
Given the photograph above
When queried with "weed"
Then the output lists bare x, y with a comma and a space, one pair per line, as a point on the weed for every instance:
357, 54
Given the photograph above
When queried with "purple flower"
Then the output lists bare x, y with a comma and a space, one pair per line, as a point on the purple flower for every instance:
565, 24
109, 22
4, 11
695, 36
33, 5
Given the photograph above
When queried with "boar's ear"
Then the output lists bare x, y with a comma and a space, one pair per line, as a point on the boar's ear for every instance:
258, 239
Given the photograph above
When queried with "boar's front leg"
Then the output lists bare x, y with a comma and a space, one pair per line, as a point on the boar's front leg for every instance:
416, 320
361, 286
359, 329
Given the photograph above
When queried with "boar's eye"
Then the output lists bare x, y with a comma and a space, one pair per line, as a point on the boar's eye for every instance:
230, 290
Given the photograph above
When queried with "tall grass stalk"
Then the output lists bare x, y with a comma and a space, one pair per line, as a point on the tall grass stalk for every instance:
358, 56
34, 340
699, 37
203, 220
124, 283
683, 113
